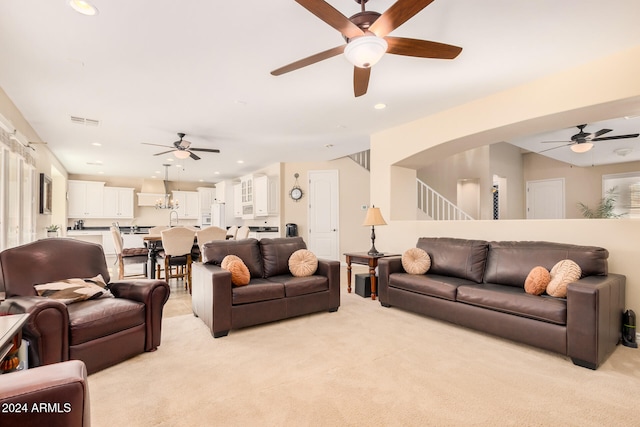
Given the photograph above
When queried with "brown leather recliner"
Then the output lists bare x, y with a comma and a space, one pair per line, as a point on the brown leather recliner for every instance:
100, 332
52, 395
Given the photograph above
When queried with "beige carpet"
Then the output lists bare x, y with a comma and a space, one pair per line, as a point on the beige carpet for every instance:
364, 365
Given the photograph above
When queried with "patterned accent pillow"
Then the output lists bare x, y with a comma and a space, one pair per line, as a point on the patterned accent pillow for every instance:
303, 263
69, 291
240, 275
537, 281
563, 273
416, 261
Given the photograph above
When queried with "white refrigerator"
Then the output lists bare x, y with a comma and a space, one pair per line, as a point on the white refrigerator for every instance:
217, 215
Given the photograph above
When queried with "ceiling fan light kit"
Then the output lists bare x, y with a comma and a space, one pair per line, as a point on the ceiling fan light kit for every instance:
365, 51
181, 154
182, 149
581, 147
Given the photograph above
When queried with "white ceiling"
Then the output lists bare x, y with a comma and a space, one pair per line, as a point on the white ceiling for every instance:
149, 69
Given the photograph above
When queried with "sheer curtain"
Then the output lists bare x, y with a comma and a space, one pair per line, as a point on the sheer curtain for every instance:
17, 191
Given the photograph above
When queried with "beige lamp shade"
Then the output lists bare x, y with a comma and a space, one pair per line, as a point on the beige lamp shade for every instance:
374, 217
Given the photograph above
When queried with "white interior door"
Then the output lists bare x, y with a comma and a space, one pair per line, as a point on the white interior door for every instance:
545, 199
323, 214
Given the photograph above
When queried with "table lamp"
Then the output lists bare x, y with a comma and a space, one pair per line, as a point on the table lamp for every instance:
373, 218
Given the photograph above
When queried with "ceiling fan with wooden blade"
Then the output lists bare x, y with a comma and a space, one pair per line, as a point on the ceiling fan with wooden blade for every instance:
583, 141
367, 40
182, 149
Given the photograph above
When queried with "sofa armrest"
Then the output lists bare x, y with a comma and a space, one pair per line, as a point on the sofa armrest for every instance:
153, 294
212, 297
595, 305
46, 330
387, 266
52, 395
331, 270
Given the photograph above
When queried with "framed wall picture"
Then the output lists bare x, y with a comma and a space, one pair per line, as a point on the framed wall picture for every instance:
45, 194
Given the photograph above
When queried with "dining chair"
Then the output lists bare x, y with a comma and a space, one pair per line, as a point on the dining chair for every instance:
243, 233
128, 255
232, 231
157, 229
208, 234
177, 243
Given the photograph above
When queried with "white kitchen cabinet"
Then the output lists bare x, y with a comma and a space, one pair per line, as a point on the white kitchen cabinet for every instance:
237, 200
188, 204
86, 199
207, 196
265, 193
118, 202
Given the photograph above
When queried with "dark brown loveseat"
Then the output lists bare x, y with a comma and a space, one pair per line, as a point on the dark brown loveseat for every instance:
100, 332
273, 292
480, 285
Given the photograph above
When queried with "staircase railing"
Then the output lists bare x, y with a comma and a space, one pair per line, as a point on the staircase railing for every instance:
438, 207
362, 158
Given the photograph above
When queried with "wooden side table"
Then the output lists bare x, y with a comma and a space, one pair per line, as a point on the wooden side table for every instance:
364, 258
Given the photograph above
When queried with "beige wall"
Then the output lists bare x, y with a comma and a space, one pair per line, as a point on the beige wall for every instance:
605, 88
582, 184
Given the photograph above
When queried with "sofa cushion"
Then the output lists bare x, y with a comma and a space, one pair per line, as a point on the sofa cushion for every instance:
257, 290
276, 253
430, 284
247, 249
295, 286
509, 263
303, 263
537, 281
563, 273
90, 320
240, 275
226, 260
512, 300
461, 258
416, 261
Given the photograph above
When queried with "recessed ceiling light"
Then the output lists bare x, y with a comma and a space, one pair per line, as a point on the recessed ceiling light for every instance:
96, 144
169, 159
83, 7
380, 106
240, 161
216, 173
153, 176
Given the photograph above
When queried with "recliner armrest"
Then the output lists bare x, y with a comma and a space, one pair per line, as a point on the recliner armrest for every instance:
594, 318
153, 294
52, 395
46, 329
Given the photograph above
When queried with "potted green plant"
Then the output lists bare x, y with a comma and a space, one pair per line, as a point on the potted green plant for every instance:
52, 230
605, 208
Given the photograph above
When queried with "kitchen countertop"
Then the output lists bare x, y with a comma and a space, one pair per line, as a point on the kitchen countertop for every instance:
145, 229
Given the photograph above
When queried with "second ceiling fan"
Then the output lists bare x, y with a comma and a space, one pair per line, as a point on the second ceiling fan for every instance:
583, 141
367, 39
182, 149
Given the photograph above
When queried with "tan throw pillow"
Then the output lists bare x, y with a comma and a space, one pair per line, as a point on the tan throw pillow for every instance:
303, 263
226, 260
416, 261
563, 273
240, 275
537, 281
69, 291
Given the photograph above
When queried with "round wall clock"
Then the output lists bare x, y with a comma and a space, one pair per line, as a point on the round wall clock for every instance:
296, 191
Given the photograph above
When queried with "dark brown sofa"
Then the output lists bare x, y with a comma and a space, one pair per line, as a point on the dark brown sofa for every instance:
480, 285
100, 332
272, 294
53, 395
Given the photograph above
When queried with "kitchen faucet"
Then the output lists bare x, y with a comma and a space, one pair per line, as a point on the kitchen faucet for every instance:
171, 218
